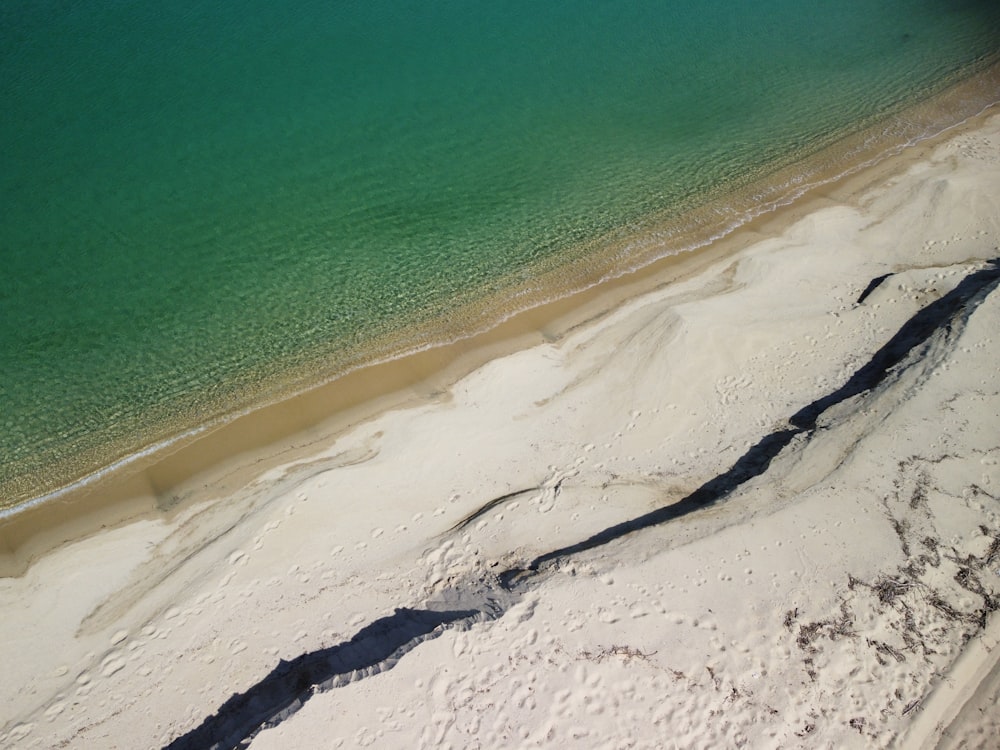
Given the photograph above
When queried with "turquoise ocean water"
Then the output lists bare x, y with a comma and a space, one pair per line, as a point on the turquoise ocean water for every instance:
207, 204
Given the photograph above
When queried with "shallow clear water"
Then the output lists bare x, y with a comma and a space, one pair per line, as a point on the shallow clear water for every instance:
204, 202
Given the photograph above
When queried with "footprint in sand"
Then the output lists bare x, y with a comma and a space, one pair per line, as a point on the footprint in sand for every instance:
54, 710
112, 663
20, 732
607, 616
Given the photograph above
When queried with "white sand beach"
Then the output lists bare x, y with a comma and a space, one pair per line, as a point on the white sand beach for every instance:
755, 505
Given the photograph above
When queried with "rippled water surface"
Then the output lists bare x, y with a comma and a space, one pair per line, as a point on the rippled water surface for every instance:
207, 202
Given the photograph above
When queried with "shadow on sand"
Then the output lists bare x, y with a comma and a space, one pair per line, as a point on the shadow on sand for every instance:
381, 644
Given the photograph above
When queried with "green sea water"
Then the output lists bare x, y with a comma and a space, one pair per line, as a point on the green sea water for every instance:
205, 204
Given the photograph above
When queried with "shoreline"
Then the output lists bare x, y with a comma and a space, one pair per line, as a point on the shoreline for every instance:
217, 459
490, 563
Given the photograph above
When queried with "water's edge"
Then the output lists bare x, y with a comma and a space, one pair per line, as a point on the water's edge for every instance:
428, 358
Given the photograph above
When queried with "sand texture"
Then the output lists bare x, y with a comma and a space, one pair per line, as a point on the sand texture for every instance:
758, 506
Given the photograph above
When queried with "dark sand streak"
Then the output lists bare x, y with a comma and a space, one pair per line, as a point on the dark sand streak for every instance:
280, 694
872, 286
947, 313
485, 508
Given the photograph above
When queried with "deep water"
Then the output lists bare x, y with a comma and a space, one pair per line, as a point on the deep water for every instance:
205, 202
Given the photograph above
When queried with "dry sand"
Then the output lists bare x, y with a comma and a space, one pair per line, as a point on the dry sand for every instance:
742, 509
